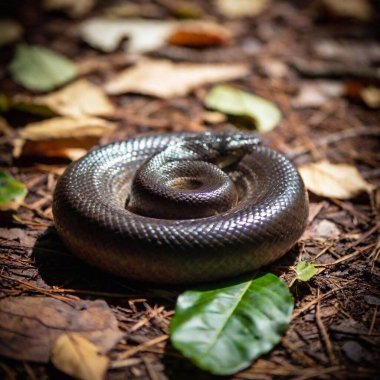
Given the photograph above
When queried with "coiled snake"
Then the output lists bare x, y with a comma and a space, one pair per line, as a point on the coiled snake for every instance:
181, 208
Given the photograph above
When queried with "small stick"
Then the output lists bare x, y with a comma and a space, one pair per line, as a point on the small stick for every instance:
324, 333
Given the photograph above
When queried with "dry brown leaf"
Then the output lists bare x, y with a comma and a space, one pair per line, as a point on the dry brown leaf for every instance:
357, 9
78, 357
241, 8
30, 325
165, 79
323, 229
81, 98
317, 93
60, 137
371, 96
199, 33
340, 181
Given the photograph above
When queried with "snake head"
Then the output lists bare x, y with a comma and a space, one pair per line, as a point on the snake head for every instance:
231, 147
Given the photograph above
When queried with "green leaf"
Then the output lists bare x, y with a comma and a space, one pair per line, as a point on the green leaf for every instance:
232, 101
41, 69
12, 192
305, 271
223, 330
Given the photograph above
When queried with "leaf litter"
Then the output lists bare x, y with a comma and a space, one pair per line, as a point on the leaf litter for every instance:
164, 79
333, 129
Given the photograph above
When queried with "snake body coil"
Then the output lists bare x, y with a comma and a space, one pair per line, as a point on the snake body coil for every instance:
181, 208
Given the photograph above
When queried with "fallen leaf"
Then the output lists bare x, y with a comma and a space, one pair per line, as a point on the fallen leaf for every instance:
12, 192
371, 96
41, 69
323, 229
29, 326
326, 229
129, 10
78, 357
199, 33
19, 234
274, 68
241, 8
10, 31
354, 351
213, 117
144, 35
232, 101
74, 8
364, 53
305, 271
184, 9
340, 181
81, 98
60, 137
165, 79
223, 329
317, 93
356, 9
5, 128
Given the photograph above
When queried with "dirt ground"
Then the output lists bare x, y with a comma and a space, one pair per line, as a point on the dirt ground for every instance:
334, 332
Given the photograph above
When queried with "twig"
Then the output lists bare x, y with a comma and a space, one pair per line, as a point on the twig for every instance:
37, 289
336, 137
364, 236
142, 347
344, 258
324, 333
299, 354
321, 297
373, 321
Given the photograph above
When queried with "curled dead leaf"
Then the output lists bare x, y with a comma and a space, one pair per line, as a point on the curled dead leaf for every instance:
78, 357
199, 33
165, 79
340, 181
143, 35
63, 137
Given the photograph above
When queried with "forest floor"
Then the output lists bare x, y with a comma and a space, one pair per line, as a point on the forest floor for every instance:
298, 56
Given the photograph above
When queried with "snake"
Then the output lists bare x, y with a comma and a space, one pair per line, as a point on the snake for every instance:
181, 208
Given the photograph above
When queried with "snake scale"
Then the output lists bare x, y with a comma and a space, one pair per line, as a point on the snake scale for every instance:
182, 207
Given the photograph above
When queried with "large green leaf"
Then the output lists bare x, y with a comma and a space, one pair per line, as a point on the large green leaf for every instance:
223, 330
232, 101
41, 69
12, 192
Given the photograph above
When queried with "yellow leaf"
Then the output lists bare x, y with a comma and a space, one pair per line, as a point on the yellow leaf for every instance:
333, 180
60, 137
241, 8
165, 79
78, 357
81, 98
